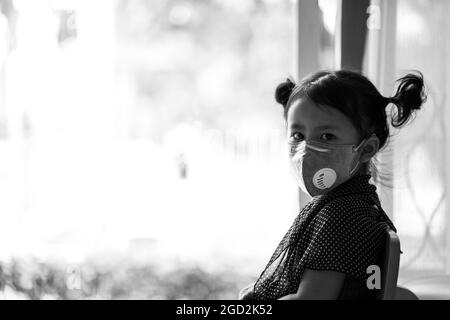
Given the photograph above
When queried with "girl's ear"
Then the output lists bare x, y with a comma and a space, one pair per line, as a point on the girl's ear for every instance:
370, 148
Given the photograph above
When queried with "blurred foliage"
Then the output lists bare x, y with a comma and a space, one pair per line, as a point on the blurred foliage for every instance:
25, 279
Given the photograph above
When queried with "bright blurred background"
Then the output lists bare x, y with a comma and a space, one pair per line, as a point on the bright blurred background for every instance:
142, 154
143, 133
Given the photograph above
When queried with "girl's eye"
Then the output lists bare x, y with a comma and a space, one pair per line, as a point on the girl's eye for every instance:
327, 136
297, 136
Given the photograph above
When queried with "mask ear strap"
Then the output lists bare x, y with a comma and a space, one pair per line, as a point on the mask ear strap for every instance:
357, 148
353, 170
363, 141
360, 144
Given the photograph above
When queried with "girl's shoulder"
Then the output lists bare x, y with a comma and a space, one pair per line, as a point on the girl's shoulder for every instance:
350, 209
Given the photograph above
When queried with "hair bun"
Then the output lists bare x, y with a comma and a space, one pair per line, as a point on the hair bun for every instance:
283, 92
410, 96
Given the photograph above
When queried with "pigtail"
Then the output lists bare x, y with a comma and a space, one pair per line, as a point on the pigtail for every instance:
283, 92
410, 96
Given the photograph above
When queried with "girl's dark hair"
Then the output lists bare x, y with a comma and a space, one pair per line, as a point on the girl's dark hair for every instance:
354, 95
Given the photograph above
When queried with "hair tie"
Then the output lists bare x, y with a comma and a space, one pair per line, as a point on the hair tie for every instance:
389, 100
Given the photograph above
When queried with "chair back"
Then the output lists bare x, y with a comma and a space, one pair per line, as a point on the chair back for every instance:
390, 266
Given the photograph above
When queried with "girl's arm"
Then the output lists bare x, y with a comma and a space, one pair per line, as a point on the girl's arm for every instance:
318, 285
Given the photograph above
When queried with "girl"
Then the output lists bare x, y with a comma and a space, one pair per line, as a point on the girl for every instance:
336, 123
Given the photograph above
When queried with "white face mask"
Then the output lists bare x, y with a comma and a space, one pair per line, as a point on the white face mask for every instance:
320, 167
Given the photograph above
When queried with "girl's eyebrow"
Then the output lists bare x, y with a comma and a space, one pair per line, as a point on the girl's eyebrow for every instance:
326, 126
322, 127
296, 126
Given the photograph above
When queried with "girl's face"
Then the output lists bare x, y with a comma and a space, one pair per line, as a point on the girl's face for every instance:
307, 121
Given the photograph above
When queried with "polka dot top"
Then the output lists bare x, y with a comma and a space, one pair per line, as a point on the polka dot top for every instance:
342, 230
